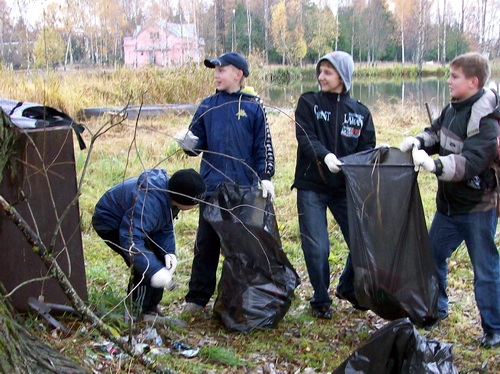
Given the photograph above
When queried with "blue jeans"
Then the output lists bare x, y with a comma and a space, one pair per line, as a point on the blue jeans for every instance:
478, 232
316, 245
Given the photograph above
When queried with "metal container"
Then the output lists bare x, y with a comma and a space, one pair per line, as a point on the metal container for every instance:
44, 192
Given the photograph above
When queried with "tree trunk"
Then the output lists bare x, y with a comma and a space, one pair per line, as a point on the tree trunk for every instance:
21, 353
445, 20
249, 28
482, 27
266, 29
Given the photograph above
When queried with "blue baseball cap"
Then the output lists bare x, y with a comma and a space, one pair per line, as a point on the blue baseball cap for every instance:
229, 58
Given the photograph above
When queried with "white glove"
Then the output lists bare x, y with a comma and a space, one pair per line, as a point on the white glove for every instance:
408, 143
267, 189
421, 158
186, 139
162, 278
332, 162
170, 262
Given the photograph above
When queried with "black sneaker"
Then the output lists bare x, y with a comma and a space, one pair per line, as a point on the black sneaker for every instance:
352, 300
490, 340
323, 312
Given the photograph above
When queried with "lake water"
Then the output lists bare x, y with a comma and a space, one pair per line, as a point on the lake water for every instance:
373, 91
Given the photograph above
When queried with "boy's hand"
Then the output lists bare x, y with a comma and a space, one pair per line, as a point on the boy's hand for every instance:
170, 262
163, 277
421, 158
333, 163
186, 139
408, 143
267, 189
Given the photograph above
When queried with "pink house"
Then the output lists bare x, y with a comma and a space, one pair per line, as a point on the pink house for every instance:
163, 44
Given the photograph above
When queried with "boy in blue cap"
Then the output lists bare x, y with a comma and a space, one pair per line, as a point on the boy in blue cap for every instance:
230, 128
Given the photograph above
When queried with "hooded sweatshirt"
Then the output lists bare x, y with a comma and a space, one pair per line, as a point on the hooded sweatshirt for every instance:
330, 123
140, 209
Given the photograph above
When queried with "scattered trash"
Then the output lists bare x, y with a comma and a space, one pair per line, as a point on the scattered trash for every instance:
179, 346
185, 350
150, 334
190, 353
160, 351
141, 348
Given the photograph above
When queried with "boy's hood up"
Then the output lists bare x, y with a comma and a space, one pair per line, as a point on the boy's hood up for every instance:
343, 63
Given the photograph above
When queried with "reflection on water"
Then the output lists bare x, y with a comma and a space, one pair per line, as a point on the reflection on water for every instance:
371, 92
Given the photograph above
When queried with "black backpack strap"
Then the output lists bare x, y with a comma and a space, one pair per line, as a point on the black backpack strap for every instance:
15, 107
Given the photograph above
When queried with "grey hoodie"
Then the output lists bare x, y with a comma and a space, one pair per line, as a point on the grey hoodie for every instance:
343, 63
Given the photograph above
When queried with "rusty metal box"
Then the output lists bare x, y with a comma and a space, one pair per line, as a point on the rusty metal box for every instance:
44, 192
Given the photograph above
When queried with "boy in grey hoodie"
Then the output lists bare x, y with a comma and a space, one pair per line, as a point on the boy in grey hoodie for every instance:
329, 125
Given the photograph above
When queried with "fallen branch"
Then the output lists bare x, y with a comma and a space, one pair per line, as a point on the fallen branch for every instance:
56, 272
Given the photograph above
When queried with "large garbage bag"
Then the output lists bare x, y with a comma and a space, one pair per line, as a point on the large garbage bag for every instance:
257, 282
394, 272
397, 348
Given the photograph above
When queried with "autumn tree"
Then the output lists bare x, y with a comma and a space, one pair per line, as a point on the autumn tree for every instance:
279, 29
5, 33
379, 29
287, 32
414, 18
134, 13
321, 29
423, 12
23, 34
111, 22
481, 23
403, 11
49, 48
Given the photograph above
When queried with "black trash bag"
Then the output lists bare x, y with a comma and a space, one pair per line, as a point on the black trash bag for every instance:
391, 254
397, 348
257, 282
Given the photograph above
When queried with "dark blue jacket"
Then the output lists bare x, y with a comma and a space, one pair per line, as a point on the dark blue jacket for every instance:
235, 139
140, 209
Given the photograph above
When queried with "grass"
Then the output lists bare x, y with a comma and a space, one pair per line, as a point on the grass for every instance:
299, 341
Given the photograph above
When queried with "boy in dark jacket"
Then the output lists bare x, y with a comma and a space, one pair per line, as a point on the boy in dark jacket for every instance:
329, 124
466, 198
231, 129
135, 218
